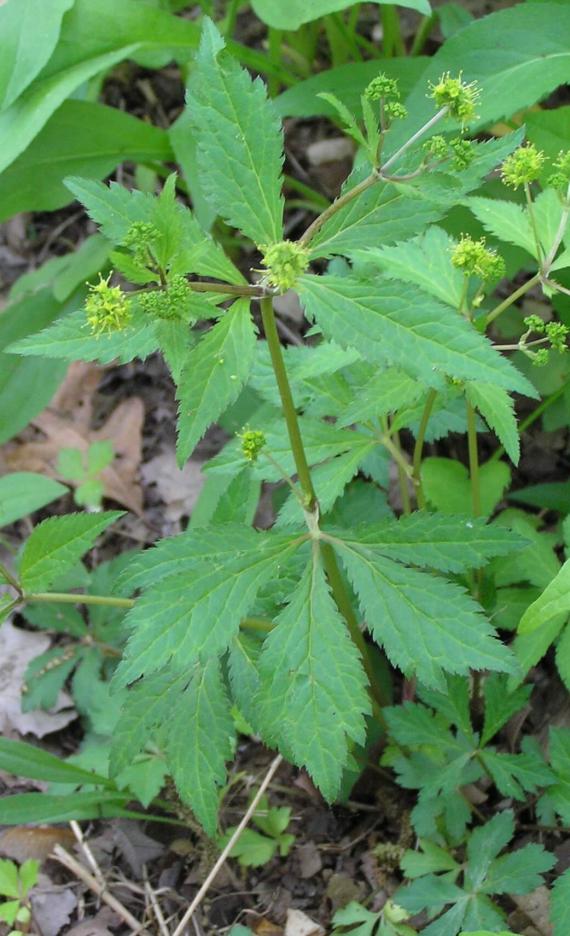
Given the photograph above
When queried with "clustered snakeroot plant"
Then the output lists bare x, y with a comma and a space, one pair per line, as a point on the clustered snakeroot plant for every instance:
295, 628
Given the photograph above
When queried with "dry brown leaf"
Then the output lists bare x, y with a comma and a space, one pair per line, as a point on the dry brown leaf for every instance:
23, 842
52, 906
536, 908
299, 924
18, 648
66, 423
177, 488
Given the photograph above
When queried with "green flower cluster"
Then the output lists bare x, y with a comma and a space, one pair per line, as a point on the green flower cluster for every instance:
555, 332
252, 442
459, 97
560, 179
382, 87
169, 303
474, 258
285, 262
139, 239
523, 166
107, 308
395, 111
461, 151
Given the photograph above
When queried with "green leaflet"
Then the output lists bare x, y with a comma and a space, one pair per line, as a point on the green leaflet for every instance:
313, 693
25, 48
22, 492
426, 339
80, 138
447, 485
449, 544
506, 220
146, 705
424, 261
199, 740
385, 392
56, 544
560, 904
554, 601
498, 411
425, 625
71, 339
214, 374
299, 12
181, 619
239, 142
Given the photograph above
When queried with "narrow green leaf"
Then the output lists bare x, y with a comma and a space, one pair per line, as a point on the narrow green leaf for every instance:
41, 808
215, 372
498, 411
9, 883
56, 544
25, 760
500, 705
299, 12
554, 600
25, 491
312, 678
199, 741
239, 141
426, 339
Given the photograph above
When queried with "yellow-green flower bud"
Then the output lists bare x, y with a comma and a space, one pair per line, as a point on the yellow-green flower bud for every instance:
395, 111
173, 302
459, 97
534, 323
382, 87
473, 258
252, 442
107, 307
463, 153
285, 263
561, 178
438, 147
523, 166
557, 333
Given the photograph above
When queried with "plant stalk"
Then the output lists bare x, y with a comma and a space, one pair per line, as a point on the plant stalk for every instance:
473, 461
419, 448
506, 303
67, 598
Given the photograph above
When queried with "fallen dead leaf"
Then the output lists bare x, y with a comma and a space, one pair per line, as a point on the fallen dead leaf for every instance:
67, 422
23, 842
135, 846
177, 488
299, 924
52, 906
18, 648
310, 861
536, 908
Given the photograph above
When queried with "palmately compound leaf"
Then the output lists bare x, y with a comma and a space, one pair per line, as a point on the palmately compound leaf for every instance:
214, 374
313, 696
560, 905
424, 338
56, 544
424, 261
71, 339
199, 740
425, 624
185, 617
239, 141
498, 411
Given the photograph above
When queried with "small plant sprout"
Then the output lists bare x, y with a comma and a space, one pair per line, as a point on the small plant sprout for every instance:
107, 308
16, 884
84, 469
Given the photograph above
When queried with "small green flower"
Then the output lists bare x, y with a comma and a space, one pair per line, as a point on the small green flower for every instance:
561, 178
170, 303
459, 97
463, 153
534, 323
475, 259
557, 333
285, 263
523, 166
252, 442
141, 237
382, 87
107, 307
395, 111
438, 147
539, 358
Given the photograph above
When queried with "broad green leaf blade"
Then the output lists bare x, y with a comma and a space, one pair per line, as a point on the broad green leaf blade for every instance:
29, 31
498, 411
313, 696
148, 704
215, 373
560, 904
94, 37
424, 261
71, 339
554, 601
426, 625
25, 760
446, 543
239, 142
179, 621
81, 138
56, 544
199, 741
500, 705
298, 12
520, 871
23, 492
447, 485
41, 808
506, 220
426, 339
386, 392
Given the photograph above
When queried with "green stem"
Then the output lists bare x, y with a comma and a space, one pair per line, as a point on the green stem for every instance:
9, 578
473, 461
336, 206
506, 303
419, 448
423, 33
533, 224
532, 417
233, 8
227, 289
289, 411
68, 598
392, 36
397, 455
403, 479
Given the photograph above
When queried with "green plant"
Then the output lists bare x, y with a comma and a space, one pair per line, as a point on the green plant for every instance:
16, 884
84, 468
255, 848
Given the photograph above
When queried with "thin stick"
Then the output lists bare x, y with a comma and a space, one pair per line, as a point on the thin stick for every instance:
64, 858
155, 905
76, 829
274, 766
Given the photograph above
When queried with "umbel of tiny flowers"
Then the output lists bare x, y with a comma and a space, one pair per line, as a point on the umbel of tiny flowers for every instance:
285, 262
560, 179
474, 258
169, 303
252, 442
458, 96
382, 87
523, 166
107, 308
140, 238
393, 110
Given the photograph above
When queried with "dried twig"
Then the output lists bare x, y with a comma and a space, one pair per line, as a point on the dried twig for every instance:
64, 858
90, 857
155, 904
275, 763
